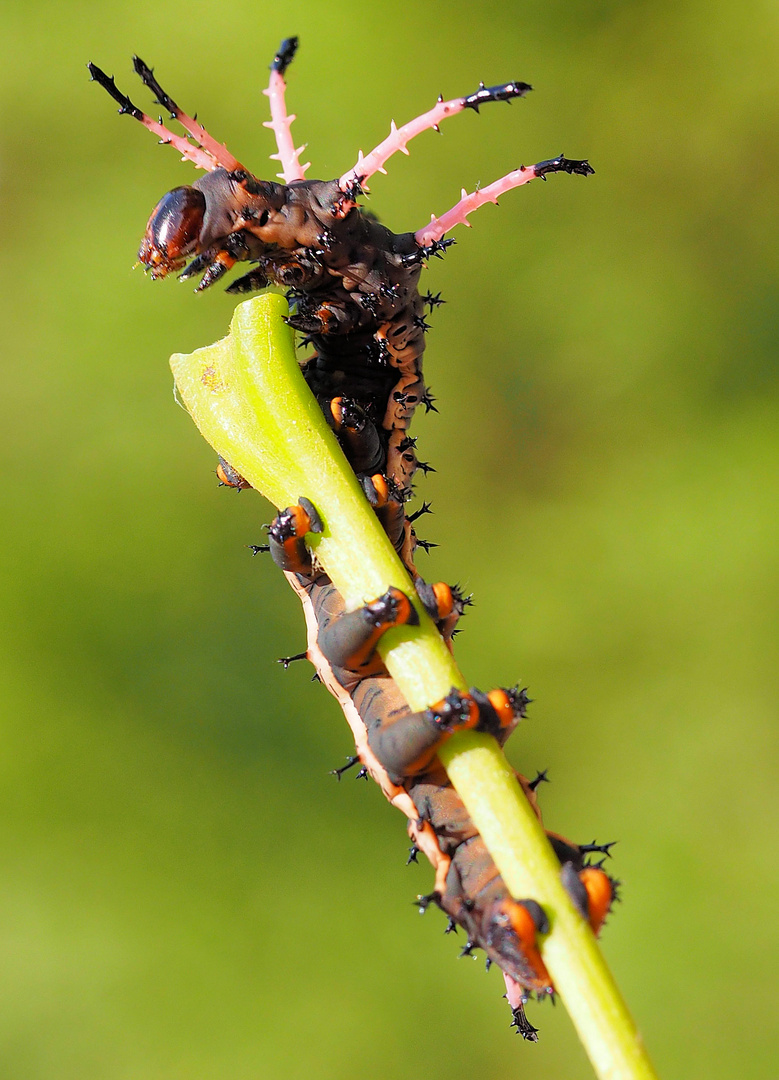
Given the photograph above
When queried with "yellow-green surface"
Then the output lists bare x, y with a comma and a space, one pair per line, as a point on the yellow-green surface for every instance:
185, 892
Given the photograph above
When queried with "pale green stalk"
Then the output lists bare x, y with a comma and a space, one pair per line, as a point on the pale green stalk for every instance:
248, 397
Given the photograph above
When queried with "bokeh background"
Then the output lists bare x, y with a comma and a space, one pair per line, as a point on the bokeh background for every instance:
186, 893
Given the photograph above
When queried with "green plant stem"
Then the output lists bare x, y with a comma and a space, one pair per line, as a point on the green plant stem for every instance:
249, 399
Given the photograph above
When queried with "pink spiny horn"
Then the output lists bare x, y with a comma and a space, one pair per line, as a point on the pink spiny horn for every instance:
280, 122
219, 153
188, 152
458, 215
397, 139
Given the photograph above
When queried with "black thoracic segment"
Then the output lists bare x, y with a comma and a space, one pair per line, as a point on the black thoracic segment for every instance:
563, 164
108, 84
147, 77
284, 56
504, 92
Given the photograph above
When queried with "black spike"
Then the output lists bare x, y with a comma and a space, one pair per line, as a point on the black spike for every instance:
426, 467
257, 549
601, 849
389, 292
467, 949
425, 544
432, 301
425, 252
519, 699
424, 509
451, 926
350, 763
541, 778
354, 190
424, 902
487, 963
287, 660
413, 851
377, 352
362, 774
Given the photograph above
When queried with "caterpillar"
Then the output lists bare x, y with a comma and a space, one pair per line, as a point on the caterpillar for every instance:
352, 283
353, 287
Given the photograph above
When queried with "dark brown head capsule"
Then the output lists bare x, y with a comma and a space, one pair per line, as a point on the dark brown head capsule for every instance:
173, 231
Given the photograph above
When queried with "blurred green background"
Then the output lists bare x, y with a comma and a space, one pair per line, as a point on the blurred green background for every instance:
186, 894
